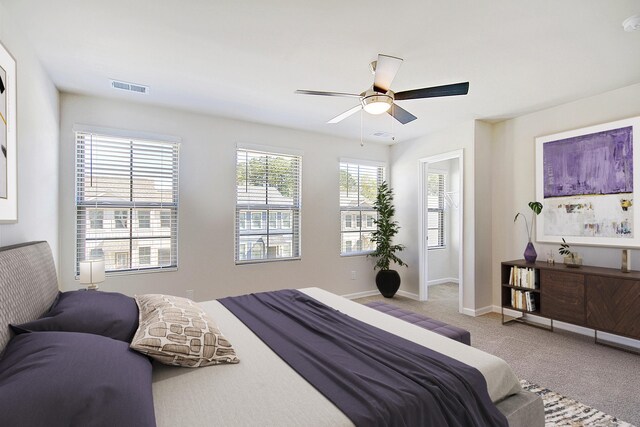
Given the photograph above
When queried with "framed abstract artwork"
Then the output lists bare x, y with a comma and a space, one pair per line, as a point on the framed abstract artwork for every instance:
586, 179
8, 128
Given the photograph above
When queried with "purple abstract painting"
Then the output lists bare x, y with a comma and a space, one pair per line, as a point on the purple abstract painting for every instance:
597, 163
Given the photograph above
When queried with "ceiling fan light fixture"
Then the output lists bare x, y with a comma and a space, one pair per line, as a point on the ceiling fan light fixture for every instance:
377, 103
632, 23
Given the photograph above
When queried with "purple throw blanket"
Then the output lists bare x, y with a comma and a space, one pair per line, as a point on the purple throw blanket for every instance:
374, 377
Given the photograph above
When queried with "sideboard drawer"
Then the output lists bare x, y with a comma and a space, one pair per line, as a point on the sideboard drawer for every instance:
563, 296
613, 305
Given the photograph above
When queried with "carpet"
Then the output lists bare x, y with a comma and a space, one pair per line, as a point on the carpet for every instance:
562, 411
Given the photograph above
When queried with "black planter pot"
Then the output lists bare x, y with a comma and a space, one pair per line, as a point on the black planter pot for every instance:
388, 282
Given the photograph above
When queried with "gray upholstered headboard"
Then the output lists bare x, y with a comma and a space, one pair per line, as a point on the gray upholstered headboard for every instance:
28, 284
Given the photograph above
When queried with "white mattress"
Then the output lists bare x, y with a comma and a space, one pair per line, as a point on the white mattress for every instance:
263, 390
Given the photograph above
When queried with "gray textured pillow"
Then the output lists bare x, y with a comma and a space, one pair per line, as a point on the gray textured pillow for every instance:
176, 331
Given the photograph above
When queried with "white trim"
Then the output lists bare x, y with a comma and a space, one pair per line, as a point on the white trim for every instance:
410, 295
362, 294
270, 149
124, 133
423, 250
443, 281
602, 336
477, 312
361, 253
375, 292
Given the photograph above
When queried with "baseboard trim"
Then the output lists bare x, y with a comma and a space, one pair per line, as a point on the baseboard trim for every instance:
443, 281
374, 292
362, 294
410, 295
477, 312
602, 336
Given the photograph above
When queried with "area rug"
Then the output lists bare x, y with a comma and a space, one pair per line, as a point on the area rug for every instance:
562, 411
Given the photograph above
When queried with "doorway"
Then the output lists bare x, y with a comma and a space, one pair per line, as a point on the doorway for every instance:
441, 226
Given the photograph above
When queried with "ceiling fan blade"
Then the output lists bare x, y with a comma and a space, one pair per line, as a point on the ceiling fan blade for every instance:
317, 92
401, 115
386, 69
341, 117
436, 91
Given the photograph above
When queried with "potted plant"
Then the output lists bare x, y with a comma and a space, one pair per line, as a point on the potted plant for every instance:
387, 280
530, 253
571, 259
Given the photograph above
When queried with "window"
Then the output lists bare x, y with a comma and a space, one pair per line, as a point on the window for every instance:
268, 193
164, 256
165, 219
122, 259
144, 219
256, 220
120, 218
130, 181
359, 183
96, 253
144, 255
435, 210
242, 220
96, 219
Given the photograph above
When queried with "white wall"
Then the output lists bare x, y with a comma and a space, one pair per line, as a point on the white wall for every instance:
405, 176
483, 209
513, 184
37, 144
443, 262
207, 201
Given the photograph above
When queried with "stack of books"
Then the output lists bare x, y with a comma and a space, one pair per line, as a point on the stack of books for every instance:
523, 277
523, 300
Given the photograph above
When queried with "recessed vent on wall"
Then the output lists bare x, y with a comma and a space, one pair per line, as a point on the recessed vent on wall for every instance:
131, 87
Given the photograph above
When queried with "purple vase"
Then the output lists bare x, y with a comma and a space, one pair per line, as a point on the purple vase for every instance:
530, 253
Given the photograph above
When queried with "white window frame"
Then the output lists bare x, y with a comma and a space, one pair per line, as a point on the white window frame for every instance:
108, 207
286, 219
357, 223
441, 211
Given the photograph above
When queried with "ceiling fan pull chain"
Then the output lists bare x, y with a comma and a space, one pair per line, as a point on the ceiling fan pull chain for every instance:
361, 127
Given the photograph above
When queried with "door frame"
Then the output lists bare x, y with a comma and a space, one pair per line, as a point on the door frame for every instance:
423, 165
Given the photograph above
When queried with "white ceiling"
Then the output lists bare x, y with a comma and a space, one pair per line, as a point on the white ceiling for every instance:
245, 59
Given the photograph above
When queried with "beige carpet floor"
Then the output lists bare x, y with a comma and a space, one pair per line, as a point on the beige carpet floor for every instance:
567, 363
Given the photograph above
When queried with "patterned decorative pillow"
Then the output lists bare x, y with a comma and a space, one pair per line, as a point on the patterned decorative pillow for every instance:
176, 331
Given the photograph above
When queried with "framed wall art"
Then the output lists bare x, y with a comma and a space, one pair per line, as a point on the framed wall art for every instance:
8, 128
586, 179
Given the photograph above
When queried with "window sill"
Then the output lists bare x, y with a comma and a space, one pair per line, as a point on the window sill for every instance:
261, 261
435, 248
350, 254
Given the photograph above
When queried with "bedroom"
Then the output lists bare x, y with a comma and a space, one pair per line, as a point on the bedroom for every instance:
210, 121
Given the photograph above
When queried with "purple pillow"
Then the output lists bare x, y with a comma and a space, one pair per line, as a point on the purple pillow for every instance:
74, 379
109, 314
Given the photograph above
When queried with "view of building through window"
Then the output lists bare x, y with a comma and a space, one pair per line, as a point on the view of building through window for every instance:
358, 189
267, 206
126, 202
436, 206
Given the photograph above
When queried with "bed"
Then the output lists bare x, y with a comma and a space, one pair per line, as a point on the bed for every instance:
262, 389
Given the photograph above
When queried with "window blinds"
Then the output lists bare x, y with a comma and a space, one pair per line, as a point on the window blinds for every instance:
358, 189
435, 210
126, 202
268, 202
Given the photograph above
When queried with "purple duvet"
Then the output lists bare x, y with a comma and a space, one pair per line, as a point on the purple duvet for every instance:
374, 377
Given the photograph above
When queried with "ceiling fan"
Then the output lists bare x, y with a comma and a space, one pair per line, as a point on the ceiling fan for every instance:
381, 99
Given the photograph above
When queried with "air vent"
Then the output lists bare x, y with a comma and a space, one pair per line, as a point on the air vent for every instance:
131, 87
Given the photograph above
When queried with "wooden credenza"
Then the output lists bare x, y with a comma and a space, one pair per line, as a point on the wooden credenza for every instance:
603, 299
